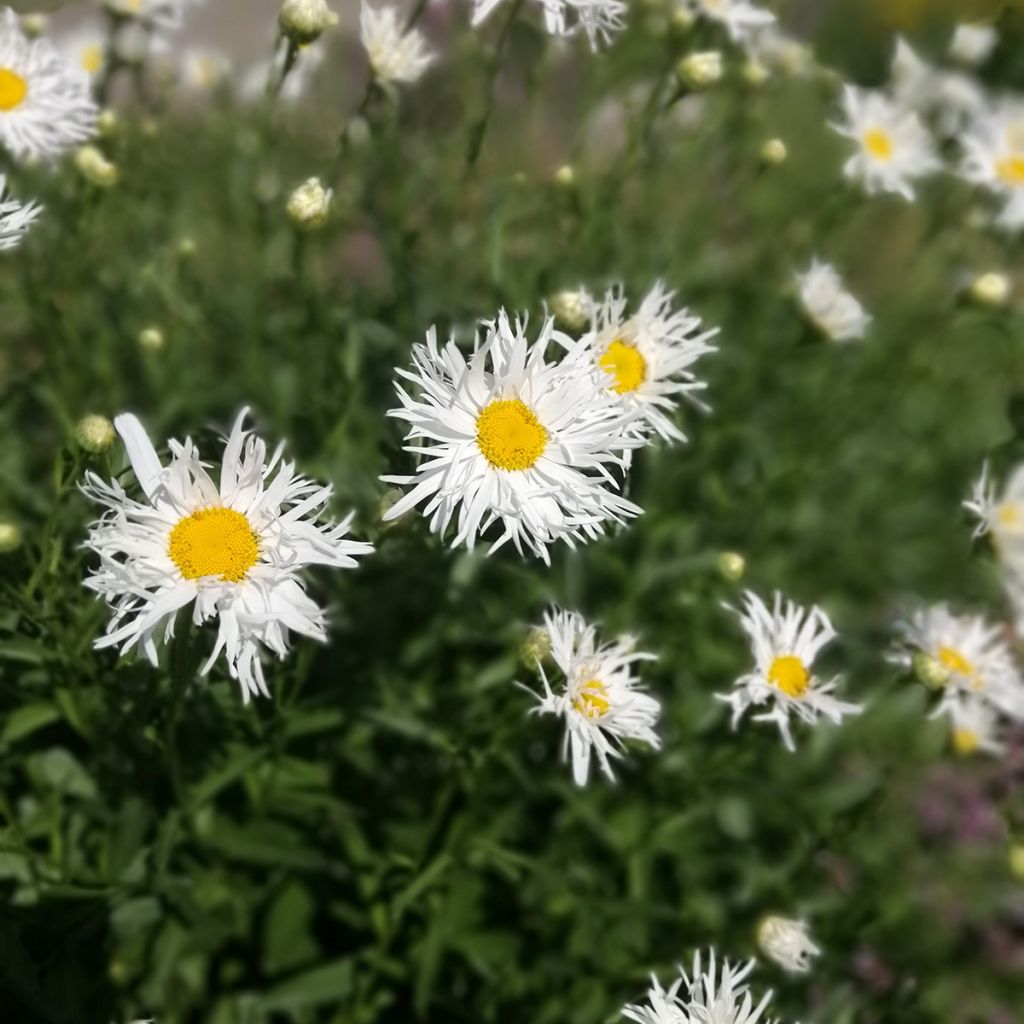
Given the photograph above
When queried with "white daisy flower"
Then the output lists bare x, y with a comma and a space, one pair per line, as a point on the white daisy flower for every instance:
395, 55
828, 304
974, 726
646, 358
15, 218
45, 105
204, 70
787, 942
663, 1005
162, 14
601, 20
785, 641
85, 49
893, 146
1001, 514
508, 438
776, 51
740, 18
600, 698
973, 44
234, 548
994, 158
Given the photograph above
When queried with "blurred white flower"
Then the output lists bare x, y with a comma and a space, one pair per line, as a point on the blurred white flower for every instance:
994, 158
601, 20
15, 217
395, 55
779, 52
203, 70
309, 205
701, 69
162, 14
233, 548
974, 726
84, 48
828, 304
973, 44
508, 438
990, 289
893, 148
740, 18
599, 698
572, 308
45, 104
787, 942
785, 640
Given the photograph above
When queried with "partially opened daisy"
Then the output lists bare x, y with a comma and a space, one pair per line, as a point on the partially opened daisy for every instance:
994, 158
600, 20
787, 942
893, 148
740, 18
233, 547
1000, 513
785, 640
395, 55
507, 439
647, 357
829, 306
45, 103
599, 697
15, 217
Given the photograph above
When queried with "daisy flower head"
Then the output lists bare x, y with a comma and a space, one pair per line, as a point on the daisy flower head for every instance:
15, 218
999, 513
395, 55
232, 547
85, 49
507, 438
161, 14
45, 104
829, 306
599, 698
785, 640
893, 148
787, 943
740, 18
974, 727
722, 996
994, 158
600, 20
646, 358
203, 70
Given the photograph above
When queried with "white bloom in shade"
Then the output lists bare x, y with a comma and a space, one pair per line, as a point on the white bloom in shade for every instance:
600, 699
973, 44
974, 726
1001, 514
45, 105
785, 640
300, 79
15, 218
395, 55
646, 358
787, 942
740, 18
699, 70
951, 98
508, 438
233, 548
893, 148
779, 52
163, 14
994, 158
85, 49
990, 289
828, 305
601, 20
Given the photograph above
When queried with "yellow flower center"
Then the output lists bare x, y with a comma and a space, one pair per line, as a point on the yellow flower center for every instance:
214, 542
91, 58
624, 362
1010, 169
956, 662
790, 675
1008, 514
509, 434
965, 741
592, 700
13, 89
878, 144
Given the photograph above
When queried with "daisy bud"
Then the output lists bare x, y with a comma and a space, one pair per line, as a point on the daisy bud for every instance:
990, 290
682, 21
571, 309
303, 21
755, 74
95, 434
731, 565
536, 647
774, 152
309, 205
1016, 859
787, 943
95, 167
565, 176
357, 132
186, 248
930, 671
34, 25
151, 339
106, 123
10, 538
699, 70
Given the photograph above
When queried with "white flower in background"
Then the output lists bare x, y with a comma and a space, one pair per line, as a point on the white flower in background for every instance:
395, 55
233, 548
204, 70
572, 308
893, 148
974, 726
601, 20
297, 85
973, 44
785, 640
599, 699
740, 18
646, 358
508, 438
951, 98
162, 14
828, 304
15, 218
663, 1005
45, 105
778, 52
309, 205
994, 158
1001, 514
787, 942
721, 997
84, 49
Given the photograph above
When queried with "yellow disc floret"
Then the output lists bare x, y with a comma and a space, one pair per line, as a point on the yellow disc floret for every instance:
625, 363
13, 89
1011, 169
509, 434
214, 542
592, 700
965, 741
91, 58
789, 674
878, 144
956, 662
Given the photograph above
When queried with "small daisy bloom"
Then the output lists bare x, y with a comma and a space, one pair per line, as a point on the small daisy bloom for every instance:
787, 943
233, 548
15, 218
974, 726
601, 20
395, 55
600, 698
952, 99
85, 49
893, 148
828, 305
740, 18
973, 44
785, 640
1001, 514
507, 438
994, 159
204, 70
163, 14
45, 105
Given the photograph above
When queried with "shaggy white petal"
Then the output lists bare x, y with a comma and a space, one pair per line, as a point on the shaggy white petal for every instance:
15, 218
395, 55
600, 20
828, 305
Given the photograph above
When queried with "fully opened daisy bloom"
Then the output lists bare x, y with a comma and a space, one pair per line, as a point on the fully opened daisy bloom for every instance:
787, 942
893, 148
508, 438
395, 55
785, 640
828, 305
600, 698
1001, 514
740, 18
45, 105
15, 218
601, 20
233, 548
646, 358
994, 158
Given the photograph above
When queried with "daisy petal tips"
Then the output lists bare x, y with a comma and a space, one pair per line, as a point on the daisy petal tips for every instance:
233, 548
